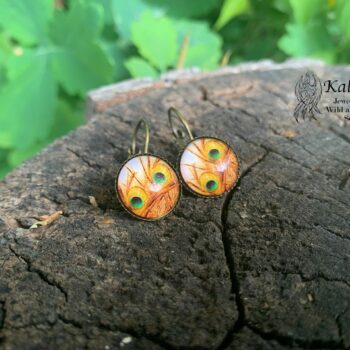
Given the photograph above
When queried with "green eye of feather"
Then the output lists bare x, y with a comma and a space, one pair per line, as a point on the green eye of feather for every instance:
214, 153
159, 178
211, 185
136, 202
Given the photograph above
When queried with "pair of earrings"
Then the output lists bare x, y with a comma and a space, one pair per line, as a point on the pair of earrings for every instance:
149, 188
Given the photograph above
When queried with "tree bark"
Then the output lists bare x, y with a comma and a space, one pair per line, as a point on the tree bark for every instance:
266, 267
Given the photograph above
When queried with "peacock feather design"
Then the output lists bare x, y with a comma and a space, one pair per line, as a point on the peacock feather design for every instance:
148, 187
209, 167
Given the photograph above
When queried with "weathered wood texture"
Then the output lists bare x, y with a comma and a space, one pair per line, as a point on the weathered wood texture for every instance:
267, 267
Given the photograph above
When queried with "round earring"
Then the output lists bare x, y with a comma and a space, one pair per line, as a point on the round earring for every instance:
147, 186
208, 166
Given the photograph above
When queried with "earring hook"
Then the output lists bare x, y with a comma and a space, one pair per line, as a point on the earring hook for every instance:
179, 134
132, 148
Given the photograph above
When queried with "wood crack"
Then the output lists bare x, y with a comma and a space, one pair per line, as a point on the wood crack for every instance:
307, 196
84, 160
340, 135
226, 240
313, 277
3, 316
44, 277
340, 327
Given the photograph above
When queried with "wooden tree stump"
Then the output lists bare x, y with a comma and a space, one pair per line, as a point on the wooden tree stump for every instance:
266, 267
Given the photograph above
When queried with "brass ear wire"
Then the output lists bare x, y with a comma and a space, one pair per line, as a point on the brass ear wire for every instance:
132, 148
179, 134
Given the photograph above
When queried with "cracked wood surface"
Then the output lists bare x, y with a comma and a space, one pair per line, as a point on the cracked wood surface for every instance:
266, 267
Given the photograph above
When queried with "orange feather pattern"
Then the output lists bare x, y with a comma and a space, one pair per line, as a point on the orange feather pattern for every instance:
148, 187
209, 167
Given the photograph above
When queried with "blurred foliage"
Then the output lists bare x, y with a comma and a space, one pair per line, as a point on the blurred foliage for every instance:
53, 52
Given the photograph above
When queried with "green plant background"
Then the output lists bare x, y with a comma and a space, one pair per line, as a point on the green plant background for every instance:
53, 52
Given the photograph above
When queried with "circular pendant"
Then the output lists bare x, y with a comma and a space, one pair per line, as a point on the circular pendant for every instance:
209, 167
148, 187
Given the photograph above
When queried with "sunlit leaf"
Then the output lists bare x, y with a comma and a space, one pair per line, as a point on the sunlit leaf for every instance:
156, 40
107, 9
342, 16
204, 49
25, 20
83, 21
125, 13
282, 5
140, 68
328, 56
79, 61
84, 68
185, 8
27, 101
231, 9
65, 119
305, 40
6, 48
305, 10
3, 59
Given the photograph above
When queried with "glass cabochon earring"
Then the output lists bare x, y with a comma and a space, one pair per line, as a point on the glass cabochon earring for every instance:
208, 166
147, 186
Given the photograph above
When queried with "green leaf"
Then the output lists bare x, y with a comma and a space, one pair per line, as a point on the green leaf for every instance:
4, 166
229, 10
118, 56
342, 11
83, 21
107, 9
264, 26
25, 20
305, 40
3, 59
305, 10
79, 61
140, 68
3, 156
84, 68
2, 77
17, 157
4, 170
6, 48
66, 118
125, 13
155, 38
204, 49
282, 6
185, 8
27, 101
328, 56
